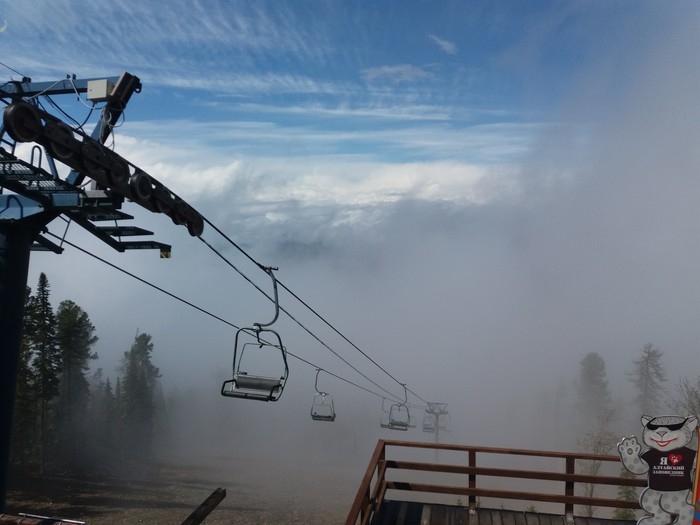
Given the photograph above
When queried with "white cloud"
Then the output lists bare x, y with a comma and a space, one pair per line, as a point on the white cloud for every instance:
448, 47
397, 73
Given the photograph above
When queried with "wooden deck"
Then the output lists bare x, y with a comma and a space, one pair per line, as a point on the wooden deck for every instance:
401, 487
413, 513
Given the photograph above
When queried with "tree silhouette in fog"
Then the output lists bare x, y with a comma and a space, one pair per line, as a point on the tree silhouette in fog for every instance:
75, 335
137, 397
648, 377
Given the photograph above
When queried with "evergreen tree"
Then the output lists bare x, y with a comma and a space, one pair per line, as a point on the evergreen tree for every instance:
137, 397
46, 362
592, 387
75, 337
102, 414
596, 413
687, 399
648, 378
23, 450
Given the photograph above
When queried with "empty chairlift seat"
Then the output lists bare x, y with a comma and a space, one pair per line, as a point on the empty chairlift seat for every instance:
322, 408
249, 384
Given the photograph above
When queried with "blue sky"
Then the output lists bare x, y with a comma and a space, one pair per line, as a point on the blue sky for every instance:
523, 174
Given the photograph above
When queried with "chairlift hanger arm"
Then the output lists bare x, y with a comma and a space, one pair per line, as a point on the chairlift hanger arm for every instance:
270, 271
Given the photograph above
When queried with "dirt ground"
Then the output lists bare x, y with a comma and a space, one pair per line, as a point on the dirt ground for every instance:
284, 493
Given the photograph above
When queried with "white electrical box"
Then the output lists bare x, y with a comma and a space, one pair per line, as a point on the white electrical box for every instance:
99, 90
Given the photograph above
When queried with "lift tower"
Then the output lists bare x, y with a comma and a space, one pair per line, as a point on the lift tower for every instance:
32, 194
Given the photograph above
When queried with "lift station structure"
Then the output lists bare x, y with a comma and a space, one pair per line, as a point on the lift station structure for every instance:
32, 194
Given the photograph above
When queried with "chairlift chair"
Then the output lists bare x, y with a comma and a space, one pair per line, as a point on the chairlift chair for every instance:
384, 419
429, 423
248, 385
399, 415
322, 408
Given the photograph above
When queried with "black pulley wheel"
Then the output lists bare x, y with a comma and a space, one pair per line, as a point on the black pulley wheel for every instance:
118, 172
22, 122
61, 142
141, 186
195, 226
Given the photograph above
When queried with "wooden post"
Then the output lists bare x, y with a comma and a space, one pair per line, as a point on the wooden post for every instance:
206, 507
472, 481
569, 488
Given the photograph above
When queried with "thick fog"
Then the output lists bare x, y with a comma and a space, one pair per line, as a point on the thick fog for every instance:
589, 243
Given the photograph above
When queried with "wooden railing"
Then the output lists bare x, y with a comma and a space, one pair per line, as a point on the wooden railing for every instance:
382, 473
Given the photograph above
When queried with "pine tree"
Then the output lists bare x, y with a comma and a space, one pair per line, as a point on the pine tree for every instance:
75, 337
24, 442
648, 377
138, 388
46, 363
592, 387
597, 413
687, 399
102, 414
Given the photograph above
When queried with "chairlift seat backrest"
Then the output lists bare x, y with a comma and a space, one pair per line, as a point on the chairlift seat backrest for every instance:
322, 408
268, 384
317, 416
398, 425
399, 417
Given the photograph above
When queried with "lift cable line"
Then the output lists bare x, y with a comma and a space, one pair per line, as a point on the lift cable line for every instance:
202, 310
312, 310
318, 339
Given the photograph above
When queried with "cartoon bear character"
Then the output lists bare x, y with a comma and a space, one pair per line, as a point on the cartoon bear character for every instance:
669, 464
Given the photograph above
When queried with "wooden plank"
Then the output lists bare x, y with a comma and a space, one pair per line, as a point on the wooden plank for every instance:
514, 473
510, 494
439, 515
484, 516
496, 517
532, 518
520, 518
426, 515
200, 513
508, 517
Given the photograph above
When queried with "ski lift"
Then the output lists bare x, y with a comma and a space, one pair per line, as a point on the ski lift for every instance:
322, 408
248, 385
399, 415
384, 419
429, 423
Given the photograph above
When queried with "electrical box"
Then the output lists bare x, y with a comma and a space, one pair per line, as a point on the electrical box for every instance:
99, 90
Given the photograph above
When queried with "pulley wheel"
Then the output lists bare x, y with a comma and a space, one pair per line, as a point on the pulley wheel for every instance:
60, 139
195, 226
142, 189
164, 201
118, 173
93, 160
22, 122
180, 213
